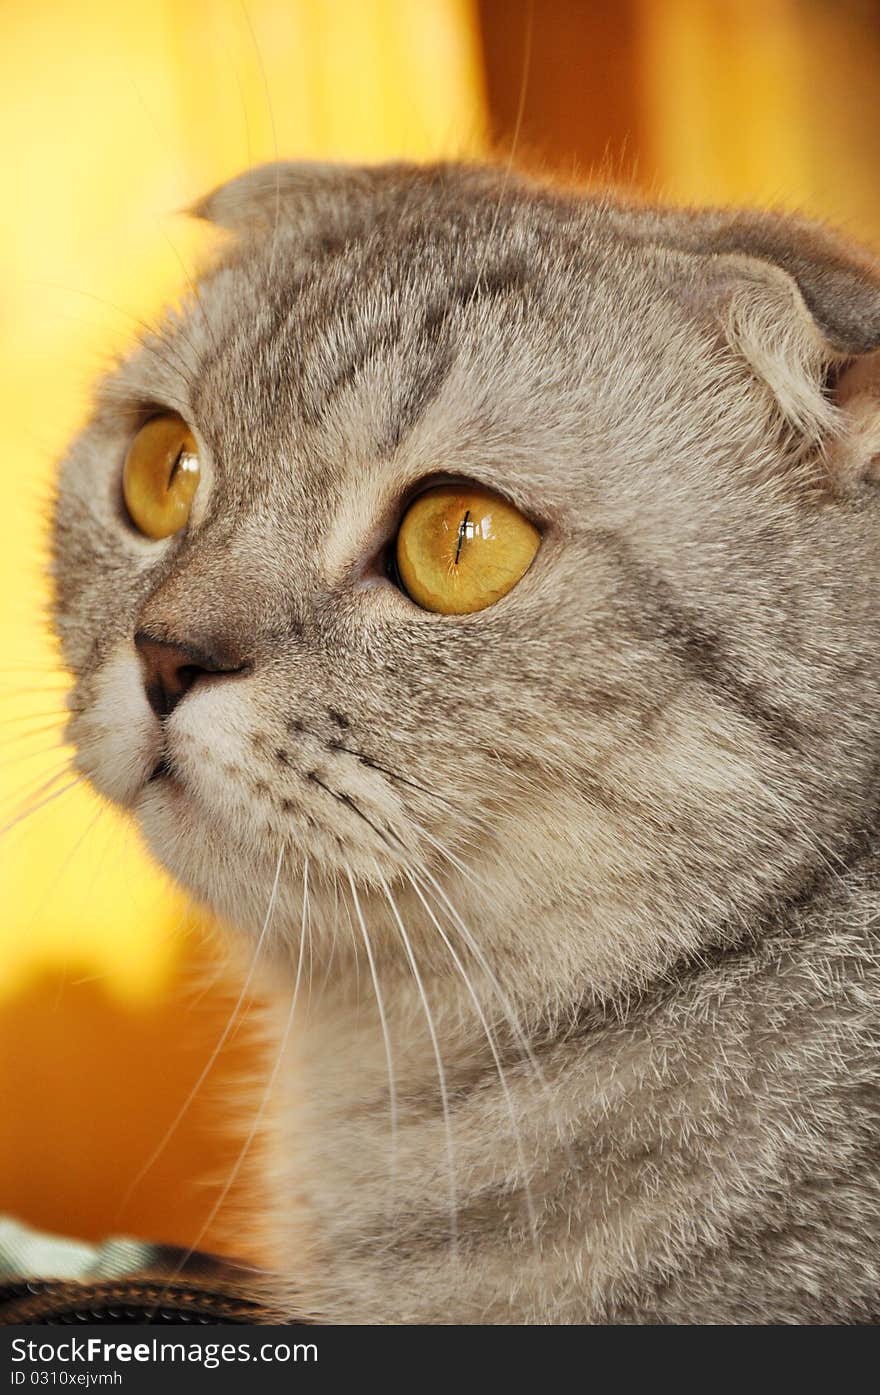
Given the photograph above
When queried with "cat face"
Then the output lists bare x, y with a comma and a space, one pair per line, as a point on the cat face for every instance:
647, 735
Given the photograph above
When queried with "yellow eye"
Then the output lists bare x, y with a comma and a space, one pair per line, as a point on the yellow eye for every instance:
161, 476
460, 548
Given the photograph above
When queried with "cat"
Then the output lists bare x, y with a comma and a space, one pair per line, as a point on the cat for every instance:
558, 839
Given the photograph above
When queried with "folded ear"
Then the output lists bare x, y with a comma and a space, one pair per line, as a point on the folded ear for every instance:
799, 303
307, 194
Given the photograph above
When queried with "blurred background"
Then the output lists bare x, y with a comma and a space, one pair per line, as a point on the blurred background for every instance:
113, 994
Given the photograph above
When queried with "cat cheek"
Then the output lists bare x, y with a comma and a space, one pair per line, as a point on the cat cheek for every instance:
117, 738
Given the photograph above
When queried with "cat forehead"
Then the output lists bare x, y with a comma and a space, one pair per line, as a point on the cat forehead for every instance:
313, 320
490, 344
426, 340
412, 270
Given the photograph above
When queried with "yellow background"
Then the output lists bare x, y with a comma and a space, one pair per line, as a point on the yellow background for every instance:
111, 997
114, 116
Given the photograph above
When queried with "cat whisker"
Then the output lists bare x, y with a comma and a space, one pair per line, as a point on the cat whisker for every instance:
194, 290
169, 399
467, 872
50, 666
47, 799
311, 953
496, 1057
355, 808
45, 688
517, 131
386, 1036
265, 81
218, 1046
37, 786
334, 936
520, 1036
376, 765
31, 755
438, 1058
355, 948
267, 1092
243, 104
177, 366
392, 774
35, 733
56, 880
60, 714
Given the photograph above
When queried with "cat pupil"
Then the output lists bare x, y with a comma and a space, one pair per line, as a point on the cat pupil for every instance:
465, 530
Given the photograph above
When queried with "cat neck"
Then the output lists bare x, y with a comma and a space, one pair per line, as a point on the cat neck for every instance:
412, 1144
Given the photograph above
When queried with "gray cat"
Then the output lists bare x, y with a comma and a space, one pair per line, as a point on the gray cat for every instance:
474, 594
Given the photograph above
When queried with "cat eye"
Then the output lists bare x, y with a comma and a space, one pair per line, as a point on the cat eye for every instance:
160, 476
461, 548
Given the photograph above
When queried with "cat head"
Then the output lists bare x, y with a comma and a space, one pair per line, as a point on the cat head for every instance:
530, 577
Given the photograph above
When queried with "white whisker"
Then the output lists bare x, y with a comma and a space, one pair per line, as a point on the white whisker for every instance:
31, 733
218, 1047
41, 804
58, 713
267, 1093
512, 1019
265, 81
441, 1073
30, 755
502, 1078
386, 1036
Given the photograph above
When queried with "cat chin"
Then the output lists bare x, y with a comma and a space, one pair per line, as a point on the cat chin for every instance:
194, 859
246, 878
231, 879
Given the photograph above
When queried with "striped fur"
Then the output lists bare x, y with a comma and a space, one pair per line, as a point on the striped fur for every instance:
579, 892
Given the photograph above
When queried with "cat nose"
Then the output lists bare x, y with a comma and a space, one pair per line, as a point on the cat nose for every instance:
170, 670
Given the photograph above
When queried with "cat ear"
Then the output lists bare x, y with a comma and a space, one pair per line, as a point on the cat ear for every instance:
802, 306
300, 192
